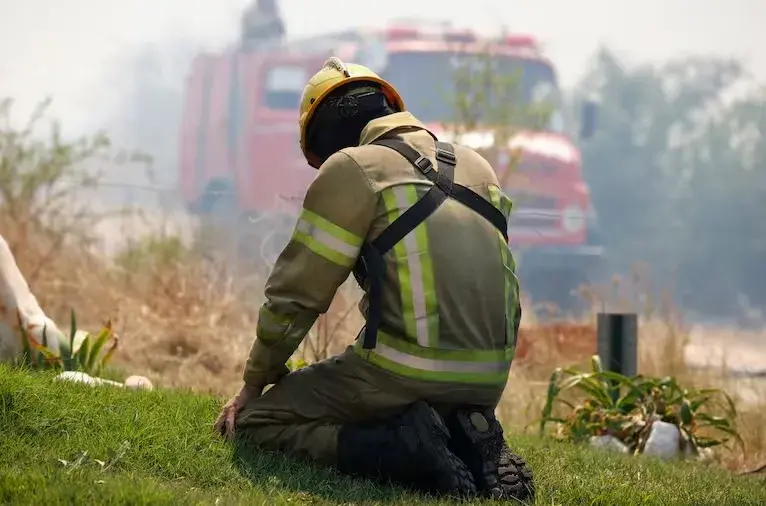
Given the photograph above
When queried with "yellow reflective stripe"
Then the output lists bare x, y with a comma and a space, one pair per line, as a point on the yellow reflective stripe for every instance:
271, 326
415, 270
504, 204
433, 364
331, 228
429, 287
483, 357
327, 239
501, 201
480, 378
402, 266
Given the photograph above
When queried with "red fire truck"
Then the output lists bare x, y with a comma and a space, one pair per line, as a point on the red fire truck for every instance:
240, 158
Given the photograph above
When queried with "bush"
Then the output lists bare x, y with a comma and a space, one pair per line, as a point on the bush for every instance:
79, 352
626, 407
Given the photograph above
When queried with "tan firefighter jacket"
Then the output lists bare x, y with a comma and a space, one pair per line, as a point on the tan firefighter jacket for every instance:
450, 304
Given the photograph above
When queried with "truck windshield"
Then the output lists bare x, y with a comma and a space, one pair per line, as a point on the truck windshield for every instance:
283, 87
430, 82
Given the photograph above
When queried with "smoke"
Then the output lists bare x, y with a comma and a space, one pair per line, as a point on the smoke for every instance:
148, 86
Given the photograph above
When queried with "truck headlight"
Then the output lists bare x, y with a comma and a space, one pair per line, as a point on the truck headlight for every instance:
573, 219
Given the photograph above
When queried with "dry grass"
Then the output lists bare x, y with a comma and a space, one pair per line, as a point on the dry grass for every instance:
185, 322
664, 344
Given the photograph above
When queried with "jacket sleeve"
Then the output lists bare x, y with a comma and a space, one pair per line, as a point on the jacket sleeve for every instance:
337, 213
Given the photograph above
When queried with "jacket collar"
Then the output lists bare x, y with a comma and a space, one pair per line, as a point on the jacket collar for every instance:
379, 127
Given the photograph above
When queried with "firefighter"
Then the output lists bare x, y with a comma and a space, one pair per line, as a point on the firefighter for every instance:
422, 225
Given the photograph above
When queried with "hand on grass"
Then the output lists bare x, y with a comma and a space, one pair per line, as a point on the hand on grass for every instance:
227, 419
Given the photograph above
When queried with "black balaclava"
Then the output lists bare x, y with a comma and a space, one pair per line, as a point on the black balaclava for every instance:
340, 119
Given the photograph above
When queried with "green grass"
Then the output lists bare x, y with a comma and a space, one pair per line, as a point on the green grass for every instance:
158, 448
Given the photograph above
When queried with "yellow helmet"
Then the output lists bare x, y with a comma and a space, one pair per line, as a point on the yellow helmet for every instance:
333, 75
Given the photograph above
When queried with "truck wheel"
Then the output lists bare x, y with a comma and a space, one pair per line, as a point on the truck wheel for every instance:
223, 209
218, 211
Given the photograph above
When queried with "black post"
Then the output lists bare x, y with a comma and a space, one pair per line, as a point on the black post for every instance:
618, 344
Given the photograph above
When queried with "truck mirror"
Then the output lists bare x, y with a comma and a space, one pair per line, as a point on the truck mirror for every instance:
588, 119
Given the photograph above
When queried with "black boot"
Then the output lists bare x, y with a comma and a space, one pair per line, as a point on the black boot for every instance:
477, 439
409, 449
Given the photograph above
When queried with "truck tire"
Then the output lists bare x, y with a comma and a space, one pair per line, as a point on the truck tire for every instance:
217, 209
210, 198
219, 202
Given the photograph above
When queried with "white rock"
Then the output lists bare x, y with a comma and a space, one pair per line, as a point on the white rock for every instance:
81, 377
664, 441
609, 443
138, 383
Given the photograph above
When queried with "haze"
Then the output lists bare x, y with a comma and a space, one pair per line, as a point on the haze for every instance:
64, 48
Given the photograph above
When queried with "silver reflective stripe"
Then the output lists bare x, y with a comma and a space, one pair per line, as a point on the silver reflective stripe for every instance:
416, 272
327, 239
428, 364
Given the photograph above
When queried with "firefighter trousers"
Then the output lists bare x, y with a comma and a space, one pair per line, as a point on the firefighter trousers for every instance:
303, 412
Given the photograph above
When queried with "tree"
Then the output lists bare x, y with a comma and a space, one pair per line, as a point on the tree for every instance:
482, 95
673, 174
724, 240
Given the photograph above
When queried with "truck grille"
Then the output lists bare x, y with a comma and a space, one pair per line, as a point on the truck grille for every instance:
534, 214
531, 201
535, 219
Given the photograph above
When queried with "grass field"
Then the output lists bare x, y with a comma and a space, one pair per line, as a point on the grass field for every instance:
186, 319
72, 444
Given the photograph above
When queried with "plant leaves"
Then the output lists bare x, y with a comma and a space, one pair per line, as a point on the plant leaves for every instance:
100, 340
686, 413
83, 353
109, 353
72, 329
553, 391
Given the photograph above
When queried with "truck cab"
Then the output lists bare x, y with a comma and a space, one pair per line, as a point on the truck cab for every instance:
553, 229
241, 157
241, 164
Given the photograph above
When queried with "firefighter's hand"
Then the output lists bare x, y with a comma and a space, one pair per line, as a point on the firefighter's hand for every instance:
227, 419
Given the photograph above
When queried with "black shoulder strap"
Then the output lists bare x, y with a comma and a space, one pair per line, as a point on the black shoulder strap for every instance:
443, 182
445, 155
371, 266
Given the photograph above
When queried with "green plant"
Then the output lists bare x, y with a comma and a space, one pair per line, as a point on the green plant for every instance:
296, 363
482, 96
160, 251
626, 407
78, 352
174, 458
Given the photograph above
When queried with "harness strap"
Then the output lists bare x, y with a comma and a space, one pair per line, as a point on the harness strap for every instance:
371, 266
443, 184
445, 155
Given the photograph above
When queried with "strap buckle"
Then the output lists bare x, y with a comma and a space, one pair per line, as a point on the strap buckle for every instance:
424, 164
446, 157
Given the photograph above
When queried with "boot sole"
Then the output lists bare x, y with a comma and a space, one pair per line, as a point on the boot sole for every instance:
508, 478
516, 479
452, 476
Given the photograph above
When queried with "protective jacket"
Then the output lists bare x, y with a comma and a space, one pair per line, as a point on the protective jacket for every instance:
445, 298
